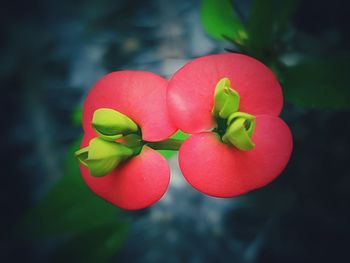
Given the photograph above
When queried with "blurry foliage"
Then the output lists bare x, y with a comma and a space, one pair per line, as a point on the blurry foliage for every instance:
220, 20
76, 117
315, 82
320, 82
95, 245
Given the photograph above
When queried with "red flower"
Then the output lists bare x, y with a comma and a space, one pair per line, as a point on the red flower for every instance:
142, 179
210, 165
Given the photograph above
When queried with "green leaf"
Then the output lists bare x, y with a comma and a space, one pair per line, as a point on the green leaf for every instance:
221, 21
95, 245
260, 27
70, 207
179, 135
77, 115
268, 19
284, 10
319, 83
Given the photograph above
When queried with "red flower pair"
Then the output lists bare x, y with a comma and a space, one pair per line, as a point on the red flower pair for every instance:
229, 104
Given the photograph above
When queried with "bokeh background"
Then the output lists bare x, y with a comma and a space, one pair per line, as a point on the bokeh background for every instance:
52, 52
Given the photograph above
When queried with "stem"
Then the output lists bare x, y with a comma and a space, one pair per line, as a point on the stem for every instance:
169, 144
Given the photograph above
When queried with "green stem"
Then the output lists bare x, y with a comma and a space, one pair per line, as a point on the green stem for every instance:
169, 144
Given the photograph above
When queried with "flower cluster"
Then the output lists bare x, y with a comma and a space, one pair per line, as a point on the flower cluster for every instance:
229, 103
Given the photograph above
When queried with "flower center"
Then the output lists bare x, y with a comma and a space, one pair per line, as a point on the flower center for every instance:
234, 127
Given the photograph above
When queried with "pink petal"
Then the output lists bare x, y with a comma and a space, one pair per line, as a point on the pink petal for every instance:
191, 90
223, 171
138, 94
136, 184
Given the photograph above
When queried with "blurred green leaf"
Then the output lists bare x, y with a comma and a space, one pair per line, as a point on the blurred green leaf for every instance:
70, 207
319, 83
260, 26
221, 21
77, 115
179, 135
95, 245
268, 20
284, 11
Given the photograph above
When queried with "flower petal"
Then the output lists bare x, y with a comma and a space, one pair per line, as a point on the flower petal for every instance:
137, 183
191, 90
219, 170
138, 94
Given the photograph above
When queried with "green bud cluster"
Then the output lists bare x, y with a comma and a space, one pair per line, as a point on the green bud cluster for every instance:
239, 126
104, 153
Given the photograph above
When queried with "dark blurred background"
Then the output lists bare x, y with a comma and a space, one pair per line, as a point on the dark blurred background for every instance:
52, 52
